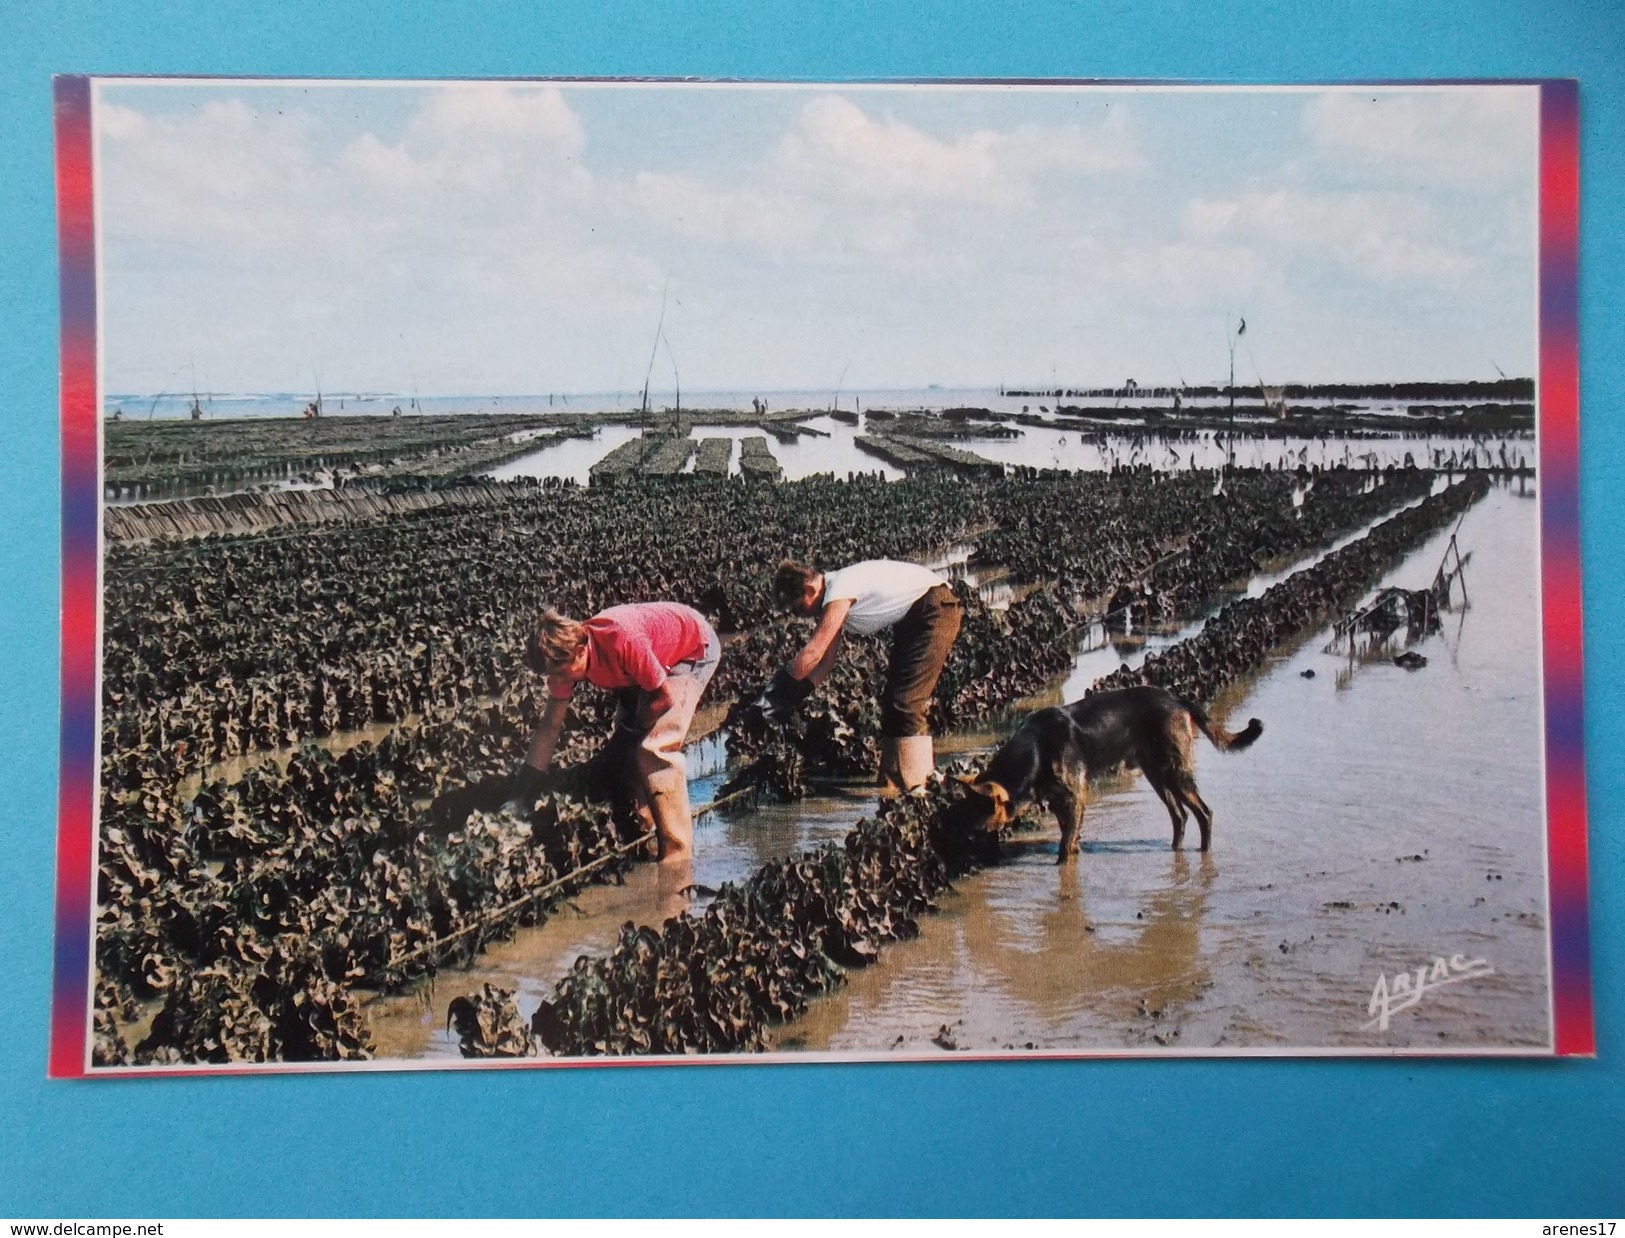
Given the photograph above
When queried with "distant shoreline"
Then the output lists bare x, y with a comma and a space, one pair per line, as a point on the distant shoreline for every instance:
1505, 388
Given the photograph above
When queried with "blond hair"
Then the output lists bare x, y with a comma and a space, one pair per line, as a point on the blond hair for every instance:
553, 643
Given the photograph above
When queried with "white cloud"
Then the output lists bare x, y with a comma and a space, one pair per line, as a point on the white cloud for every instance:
497, 239
1464, 135
222, 171
837, 146
508, 145
1382, 236
845, 186
771, 218
263, 239
507, 113
381, 164
1110, 146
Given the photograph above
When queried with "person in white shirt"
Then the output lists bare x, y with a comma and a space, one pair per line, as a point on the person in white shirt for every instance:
865, 598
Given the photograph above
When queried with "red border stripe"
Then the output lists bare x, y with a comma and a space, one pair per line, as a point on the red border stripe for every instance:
1573, 1026
70, 981
1573, 1017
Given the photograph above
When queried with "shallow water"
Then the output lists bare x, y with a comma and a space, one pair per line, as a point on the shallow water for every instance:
1314, 888
1102, 651
1047, 447
728, 846
1386, 818
572, 458
834, 450
837, 452
288, 404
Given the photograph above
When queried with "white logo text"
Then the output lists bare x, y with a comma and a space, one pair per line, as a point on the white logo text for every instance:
1406, 989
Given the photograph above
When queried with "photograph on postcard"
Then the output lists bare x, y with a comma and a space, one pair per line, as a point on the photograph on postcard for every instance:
656, 570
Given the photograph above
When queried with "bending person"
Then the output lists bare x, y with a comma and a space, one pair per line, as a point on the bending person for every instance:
659, 656
866, 598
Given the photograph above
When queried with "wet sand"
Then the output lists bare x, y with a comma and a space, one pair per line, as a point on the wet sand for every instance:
1385, 819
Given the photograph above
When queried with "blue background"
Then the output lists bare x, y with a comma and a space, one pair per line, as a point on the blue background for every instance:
1268, 1137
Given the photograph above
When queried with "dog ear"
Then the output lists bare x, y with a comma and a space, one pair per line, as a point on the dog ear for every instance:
995, 794
993, 791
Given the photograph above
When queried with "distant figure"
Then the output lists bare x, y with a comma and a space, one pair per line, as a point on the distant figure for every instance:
311, 410
396, 412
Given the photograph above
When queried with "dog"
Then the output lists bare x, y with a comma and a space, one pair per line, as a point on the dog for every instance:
1051, 758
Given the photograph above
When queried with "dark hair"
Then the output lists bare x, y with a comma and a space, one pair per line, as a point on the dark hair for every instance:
791, 581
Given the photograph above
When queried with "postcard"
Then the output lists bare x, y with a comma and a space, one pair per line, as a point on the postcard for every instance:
566, 571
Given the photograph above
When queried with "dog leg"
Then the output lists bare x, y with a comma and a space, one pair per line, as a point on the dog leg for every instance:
1176, 812
1160, 783
1204, 814
1068, 807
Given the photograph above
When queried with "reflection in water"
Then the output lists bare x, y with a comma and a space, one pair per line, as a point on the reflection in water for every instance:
1156, 963
571, 458
1101, 652
1368, 831
1023, 958
1043, 447
834, 449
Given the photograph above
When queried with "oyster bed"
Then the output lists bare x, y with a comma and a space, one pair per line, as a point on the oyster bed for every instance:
262, 870
720, 981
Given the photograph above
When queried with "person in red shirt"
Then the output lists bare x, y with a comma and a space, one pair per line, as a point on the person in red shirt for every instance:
659, 656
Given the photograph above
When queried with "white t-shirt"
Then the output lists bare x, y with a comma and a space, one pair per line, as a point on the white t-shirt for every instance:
882, 590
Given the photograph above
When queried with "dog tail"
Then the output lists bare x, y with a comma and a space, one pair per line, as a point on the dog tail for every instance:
1225, 741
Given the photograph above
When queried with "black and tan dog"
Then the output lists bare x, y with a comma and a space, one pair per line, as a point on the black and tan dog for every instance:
1056, 751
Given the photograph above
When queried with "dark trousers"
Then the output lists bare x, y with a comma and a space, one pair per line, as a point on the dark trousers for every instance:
921, 642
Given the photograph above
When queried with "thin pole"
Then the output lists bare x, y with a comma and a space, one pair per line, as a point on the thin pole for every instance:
655, 351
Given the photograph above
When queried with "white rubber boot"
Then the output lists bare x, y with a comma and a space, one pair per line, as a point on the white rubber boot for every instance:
916, 759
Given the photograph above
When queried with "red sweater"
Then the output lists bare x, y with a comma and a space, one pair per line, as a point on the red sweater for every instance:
634, 646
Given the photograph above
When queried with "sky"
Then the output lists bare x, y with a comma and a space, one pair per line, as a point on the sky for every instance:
530, 237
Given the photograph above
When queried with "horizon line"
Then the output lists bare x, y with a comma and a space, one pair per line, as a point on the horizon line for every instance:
1005, 388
